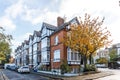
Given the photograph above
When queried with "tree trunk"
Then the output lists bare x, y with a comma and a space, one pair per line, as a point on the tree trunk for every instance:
90, 59
85, 62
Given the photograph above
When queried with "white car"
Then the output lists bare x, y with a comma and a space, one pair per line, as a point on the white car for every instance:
24, 69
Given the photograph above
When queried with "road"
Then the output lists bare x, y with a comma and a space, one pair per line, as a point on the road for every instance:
115, 76
12, 75
17, 76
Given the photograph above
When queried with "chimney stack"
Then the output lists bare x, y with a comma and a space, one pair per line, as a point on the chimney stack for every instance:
60, 21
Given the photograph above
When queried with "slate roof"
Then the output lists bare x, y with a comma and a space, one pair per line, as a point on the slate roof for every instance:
37, 33
49, 26
30, 37
26, 42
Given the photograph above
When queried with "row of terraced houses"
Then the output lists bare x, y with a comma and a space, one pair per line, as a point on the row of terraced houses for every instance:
45, 49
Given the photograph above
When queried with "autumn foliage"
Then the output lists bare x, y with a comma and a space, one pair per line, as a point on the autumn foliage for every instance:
87, 37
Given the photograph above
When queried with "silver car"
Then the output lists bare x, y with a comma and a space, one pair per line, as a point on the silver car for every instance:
24, 69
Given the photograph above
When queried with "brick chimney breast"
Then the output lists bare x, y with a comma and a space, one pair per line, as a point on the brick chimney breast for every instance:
60, 21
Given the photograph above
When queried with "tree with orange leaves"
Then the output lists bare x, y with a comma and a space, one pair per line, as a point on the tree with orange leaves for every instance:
87, 37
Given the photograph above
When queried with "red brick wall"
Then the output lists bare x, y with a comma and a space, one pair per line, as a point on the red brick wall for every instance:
60, 46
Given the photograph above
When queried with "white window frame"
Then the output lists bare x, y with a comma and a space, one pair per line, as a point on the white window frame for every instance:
44, 56
56, 56
56, 40
71, 55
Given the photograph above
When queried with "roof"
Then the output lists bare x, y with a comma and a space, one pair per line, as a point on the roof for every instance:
65, 24
38, 34
30, 37
26, 42
49, 26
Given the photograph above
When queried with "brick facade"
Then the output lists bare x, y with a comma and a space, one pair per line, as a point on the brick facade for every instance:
60, 46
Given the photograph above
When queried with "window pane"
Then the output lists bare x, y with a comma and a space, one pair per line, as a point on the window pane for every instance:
30, 49
57, 55
75, 56
44, 56
72, 56
69, 53
44, 43
35, 47
30, 59
56, 40
35, 59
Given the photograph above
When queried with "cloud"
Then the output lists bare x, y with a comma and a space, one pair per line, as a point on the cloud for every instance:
36, 16
11, 12
70, 8
26, 36
7, 23
79, 7
23, 37
15, 10
17, 41
49, 17
102, 8
23, 10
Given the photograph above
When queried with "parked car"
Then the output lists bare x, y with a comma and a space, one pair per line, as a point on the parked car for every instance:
16, 69
101, 65
13, 68
114, 65
7, 65
24, 69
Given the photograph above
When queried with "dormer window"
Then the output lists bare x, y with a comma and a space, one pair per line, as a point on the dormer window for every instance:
56, 40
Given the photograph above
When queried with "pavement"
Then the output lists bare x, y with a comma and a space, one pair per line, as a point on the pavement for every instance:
115, 76
94, 76
88, 76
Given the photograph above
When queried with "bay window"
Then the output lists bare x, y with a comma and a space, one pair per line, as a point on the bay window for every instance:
45, 56
44, 43
72, 56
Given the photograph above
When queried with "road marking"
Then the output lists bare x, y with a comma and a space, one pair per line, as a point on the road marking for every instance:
3, 76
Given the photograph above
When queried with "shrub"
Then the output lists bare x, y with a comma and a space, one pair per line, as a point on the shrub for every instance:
102, 60
90, 67
64, 67
40, 68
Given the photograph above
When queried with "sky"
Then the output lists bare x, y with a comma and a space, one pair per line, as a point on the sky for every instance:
21, 17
